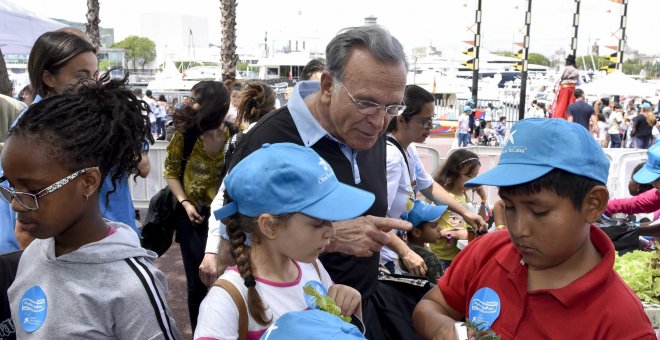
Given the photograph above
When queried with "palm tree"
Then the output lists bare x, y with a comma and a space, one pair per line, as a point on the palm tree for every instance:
5, 83
92, 27
228, 56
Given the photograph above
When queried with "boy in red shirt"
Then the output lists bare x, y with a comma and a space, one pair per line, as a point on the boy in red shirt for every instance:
549, 276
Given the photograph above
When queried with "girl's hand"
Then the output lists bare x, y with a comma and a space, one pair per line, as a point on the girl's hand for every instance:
414, 263
193, 215
346, 298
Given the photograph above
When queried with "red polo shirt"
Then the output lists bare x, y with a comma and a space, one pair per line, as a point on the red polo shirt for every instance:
599, 305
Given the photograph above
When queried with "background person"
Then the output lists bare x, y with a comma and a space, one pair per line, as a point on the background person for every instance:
203, 123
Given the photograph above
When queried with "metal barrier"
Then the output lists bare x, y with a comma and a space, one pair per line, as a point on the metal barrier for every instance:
622, 162
142, 189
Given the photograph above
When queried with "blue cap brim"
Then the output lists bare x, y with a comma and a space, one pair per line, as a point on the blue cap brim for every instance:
343, 203
645, 176
226, 211
504, 175
431, 214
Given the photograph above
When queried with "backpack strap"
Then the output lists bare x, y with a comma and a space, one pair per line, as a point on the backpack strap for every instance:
316, 266
149, 283
240, 304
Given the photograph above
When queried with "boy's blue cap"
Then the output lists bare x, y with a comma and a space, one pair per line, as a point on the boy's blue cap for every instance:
467, 108
425, 212
287, 178
538, 145
311, 324
646, 106
651, 169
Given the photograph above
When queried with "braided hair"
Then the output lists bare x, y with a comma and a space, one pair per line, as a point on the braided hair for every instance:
95, 123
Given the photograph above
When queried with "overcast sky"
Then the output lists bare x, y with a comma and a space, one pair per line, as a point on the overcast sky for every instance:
443, 23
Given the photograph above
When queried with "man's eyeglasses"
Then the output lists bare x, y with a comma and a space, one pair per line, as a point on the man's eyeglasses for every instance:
368, 108
31, 201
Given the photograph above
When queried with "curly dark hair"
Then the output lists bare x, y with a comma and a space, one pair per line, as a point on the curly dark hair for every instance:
95, 123
213, 99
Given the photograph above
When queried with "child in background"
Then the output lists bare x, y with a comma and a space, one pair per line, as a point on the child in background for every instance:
461, 166
285, 196
82, 276
464, 127
423, 218
550, 275
500, 130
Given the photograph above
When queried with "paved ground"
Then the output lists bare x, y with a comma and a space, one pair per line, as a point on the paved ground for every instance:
172, 265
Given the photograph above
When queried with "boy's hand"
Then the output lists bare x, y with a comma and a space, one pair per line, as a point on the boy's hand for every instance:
414, 263
346, 298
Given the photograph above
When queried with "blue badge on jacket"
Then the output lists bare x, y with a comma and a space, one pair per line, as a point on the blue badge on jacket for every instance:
484, 308
32, 309
320, 290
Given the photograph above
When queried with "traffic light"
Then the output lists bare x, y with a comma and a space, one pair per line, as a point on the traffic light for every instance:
614, 57
520, 54
518, 65
609, 68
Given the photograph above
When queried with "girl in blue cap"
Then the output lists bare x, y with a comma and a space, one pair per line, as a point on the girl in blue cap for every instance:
286, 196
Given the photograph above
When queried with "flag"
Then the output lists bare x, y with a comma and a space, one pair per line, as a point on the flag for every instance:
616, 48
434, 85
617, 1
521, 44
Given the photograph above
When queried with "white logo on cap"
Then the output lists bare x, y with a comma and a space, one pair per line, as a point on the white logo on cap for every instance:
324, 164
328, 172
509, 138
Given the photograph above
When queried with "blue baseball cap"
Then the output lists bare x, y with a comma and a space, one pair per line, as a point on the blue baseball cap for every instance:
538, 145
287, 178
646, 106
467, 108
650, 172
425, 212
311, 324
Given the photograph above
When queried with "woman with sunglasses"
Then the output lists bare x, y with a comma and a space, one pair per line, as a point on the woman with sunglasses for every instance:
83, 276
406, 176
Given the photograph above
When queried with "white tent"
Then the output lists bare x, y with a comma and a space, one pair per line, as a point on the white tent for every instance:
617, 83
20, 28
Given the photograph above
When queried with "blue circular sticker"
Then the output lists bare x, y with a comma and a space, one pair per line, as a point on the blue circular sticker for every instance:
484, 308
320, 290
32, 309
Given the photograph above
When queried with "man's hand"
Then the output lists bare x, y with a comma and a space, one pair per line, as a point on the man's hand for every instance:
414, 263
364, 235
208, 270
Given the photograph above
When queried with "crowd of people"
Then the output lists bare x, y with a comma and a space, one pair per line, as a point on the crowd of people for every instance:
322, 203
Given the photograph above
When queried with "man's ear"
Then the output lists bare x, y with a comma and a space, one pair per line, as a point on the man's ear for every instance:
91, 182
327, 87
595, 203
267, 224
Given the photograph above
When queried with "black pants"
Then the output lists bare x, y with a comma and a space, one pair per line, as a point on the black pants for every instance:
192, 241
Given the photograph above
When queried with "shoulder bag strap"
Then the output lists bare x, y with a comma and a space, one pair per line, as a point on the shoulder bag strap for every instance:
240, 304
403, 153
189, 139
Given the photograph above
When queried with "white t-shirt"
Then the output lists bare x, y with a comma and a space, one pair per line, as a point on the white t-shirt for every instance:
400, 193
218, 315
463, 123
152, 106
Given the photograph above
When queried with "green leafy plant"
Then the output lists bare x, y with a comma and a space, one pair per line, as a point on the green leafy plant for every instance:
325, 303
640, 271
479, 334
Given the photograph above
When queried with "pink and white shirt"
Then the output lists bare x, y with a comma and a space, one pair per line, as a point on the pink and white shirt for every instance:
218, 315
